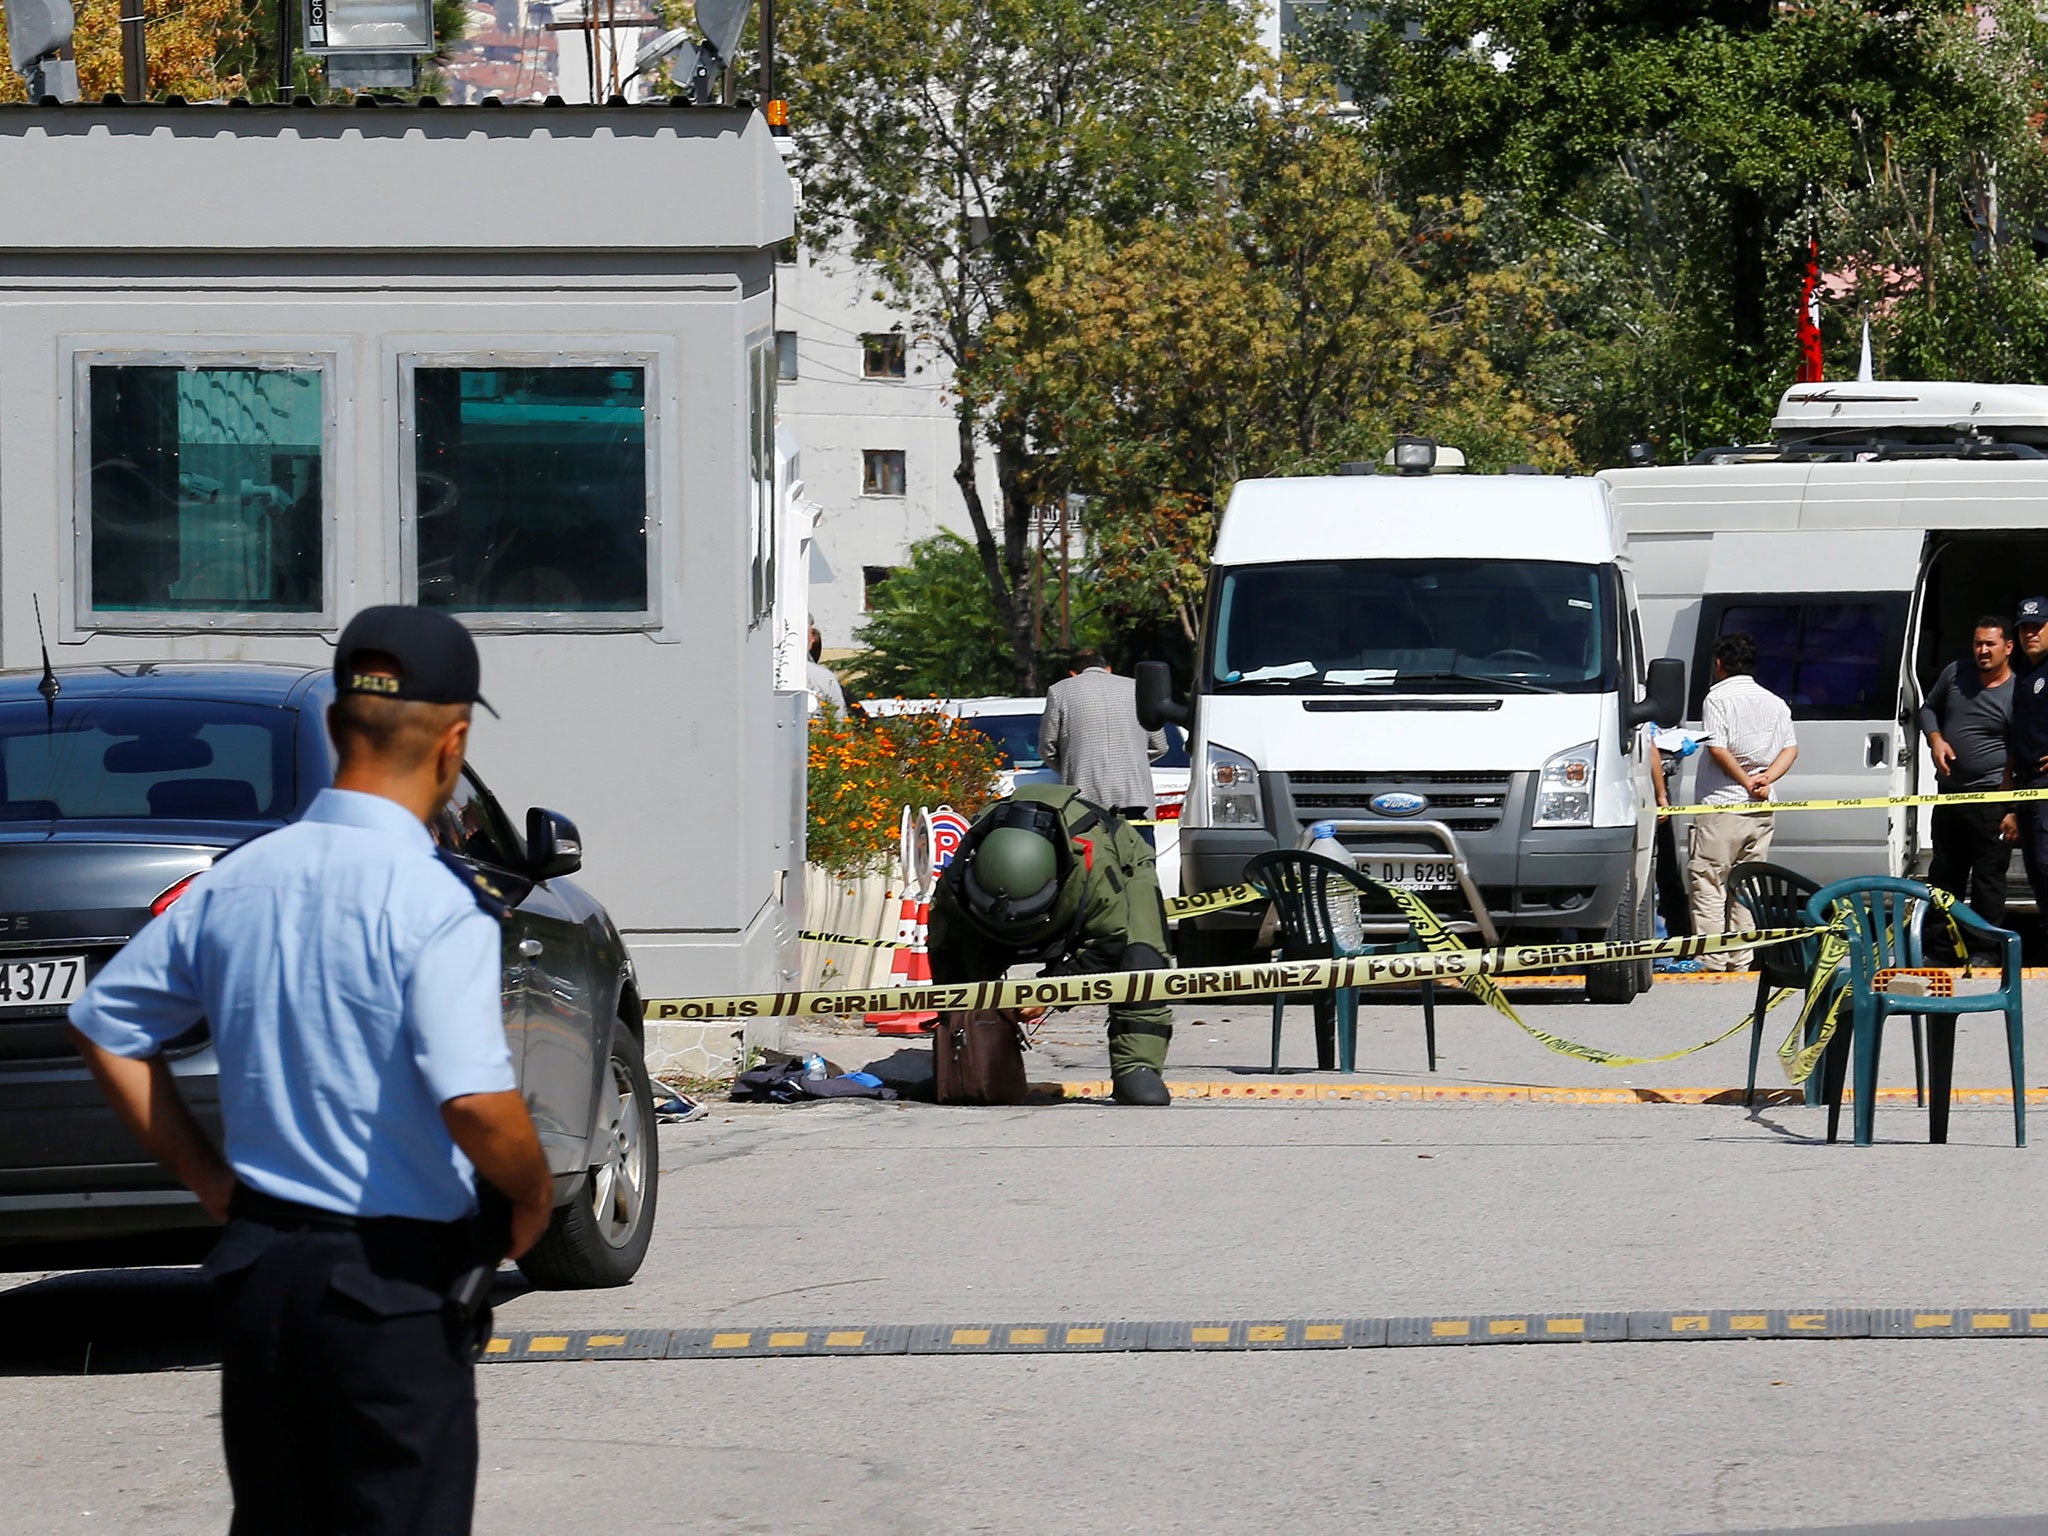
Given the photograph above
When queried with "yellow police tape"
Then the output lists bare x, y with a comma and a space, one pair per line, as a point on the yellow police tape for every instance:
1218, 900
1210, 982
1866, 803
1437, 936
812, 936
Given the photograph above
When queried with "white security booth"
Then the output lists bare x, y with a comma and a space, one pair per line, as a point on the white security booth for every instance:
262, 366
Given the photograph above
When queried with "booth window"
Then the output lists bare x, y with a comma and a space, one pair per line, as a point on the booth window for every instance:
882, 355
204, 489
881, 472
761, 521
532, 486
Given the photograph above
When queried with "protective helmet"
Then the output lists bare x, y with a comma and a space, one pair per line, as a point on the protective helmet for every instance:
1011, 877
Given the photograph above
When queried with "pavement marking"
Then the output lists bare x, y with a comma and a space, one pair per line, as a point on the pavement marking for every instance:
1270, 1091
1444, 1329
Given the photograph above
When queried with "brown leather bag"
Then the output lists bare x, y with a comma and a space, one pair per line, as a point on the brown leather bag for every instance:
978, 1057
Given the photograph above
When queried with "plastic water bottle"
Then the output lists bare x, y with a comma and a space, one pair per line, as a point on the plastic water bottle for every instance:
1346, 928
814, 1069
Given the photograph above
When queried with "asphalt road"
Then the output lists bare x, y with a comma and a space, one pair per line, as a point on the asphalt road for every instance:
859, 1213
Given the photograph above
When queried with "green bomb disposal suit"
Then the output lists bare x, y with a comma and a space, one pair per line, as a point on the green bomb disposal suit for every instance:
1106, 916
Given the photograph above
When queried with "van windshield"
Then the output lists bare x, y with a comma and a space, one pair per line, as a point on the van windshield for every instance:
1445, 626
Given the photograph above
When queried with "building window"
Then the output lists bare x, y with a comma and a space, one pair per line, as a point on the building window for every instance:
882, 355
785, 355
881, 472
872, 579
203, 489
532, 486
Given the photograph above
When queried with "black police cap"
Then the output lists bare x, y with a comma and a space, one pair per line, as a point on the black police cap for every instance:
437, 660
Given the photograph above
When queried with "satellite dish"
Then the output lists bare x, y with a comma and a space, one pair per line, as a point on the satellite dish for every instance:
721, 22
652, 53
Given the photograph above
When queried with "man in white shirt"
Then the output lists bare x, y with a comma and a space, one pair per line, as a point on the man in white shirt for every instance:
822, 680
1748, 746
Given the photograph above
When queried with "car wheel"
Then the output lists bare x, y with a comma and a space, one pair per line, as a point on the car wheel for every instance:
1612, 983
600, 1236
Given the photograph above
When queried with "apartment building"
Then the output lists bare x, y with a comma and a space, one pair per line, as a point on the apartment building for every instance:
866, 396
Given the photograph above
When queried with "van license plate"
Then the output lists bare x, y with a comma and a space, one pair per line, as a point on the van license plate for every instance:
1413, 874
46, 982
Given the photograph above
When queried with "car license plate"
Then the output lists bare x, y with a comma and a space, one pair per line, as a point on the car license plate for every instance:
1412, 874
48, 981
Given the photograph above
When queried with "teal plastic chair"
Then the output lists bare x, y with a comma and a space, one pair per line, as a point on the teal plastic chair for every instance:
1883, 920
1775, 897
1299, 886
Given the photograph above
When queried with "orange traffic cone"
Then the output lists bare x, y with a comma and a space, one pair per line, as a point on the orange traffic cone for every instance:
910, 966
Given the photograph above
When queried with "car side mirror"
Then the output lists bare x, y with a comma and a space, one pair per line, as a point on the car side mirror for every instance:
553, 845
1663, 700
1156, 703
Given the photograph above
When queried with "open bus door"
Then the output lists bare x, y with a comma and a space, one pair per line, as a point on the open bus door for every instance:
1966, 574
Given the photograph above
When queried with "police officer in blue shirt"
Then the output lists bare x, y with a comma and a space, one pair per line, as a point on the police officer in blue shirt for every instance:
350, 977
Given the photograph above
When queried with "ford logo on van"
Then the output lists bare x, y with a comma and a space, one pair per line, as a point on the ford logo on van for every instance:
1399, 802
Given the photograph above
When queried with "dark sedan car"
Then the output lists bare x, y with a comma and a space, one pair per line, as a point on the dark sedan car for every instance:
126, 786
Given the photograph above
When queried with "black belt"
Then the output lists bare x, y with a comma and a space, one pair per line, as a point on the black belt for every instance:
248, 1204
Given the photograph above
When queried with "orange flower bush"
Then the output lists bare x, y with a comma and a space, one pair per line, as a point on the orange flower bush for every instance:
863, 772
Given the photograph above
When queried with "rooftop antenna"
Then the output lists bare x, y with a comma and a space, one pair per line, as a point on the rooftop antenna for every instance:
49, 687
1865, 374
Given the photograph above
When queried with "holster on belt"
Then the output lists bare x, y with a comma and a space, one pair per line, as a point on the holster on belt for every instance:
488, 1238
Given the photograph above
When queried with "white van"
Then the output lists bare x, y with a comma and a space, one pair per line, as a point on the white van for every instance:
1448, 667
1858, 547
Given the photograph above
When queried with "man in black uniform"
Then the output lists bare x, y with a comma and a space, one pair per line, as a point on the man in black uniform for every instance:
350, 978
1967, 721
1047, 876
2030, 748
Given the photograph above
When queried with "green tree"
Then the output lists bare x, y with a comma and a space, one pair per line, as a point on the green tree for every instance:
1676, 153
932, 629
1301, 321
943, 139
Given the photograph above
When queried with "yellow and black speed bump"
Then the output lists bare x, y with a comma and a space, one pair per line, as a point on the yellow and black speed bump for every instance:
1957, 1322
756, 1343
1026, 1338
1526, 1328
1318, 1333
1784, 1323
1562, 1326
581, 1344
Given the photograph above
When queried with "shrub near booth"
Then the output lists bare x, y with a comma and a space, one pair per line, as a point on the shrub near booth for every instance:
863, 772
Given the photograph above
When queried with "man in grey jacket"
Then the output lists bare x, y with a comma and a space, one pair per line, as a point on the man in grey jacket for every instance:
1091, 737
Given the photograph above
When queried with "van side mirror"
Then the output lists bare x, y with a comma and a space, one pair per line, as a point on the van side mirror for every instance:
1156, 703
1663, 700
553, 845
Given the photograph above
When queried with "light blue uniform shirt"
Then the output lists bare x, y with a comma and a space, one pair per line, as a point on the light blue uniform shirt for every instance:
351, 982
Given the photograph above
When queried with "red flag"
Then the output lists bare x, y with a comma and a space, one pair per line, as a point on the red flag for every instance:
1810, 370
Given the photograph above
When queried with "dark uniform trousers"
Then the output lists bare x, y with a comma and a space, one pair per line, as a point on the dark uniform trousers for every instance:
1970, 859
2033, 818
348, 1397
